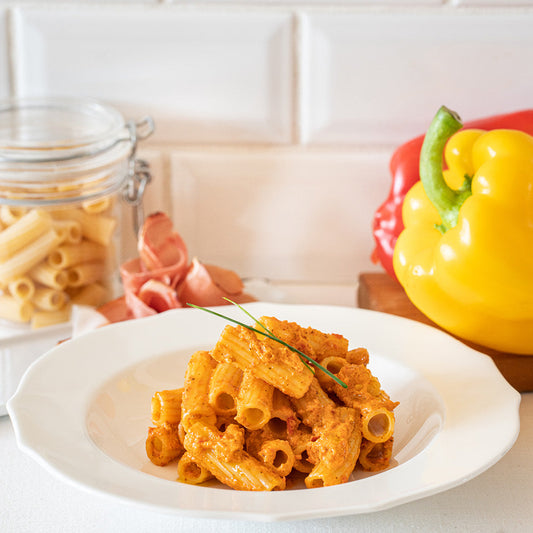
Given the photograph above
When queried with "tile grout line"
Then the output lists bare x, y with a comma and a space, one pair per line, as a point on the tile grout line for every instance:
11, 52
296, 134
302, 51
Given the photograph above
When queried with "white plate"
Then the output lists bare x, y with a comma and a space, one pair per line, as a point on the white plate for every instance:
20, 346
83, 410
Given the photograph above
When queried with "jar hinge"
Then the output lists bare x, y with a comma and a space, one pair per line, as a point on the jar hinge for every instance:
139, 175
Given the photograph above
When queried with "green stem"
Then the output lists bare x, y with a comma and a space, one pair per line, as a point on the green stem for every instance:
447, 201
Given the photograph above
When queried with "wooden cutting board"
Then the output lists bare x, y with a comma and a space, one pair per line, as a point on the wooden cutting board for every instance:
379, 292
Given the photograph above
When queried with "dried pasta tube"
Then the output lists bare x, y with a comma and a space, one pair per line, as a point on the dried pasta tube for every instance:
68, 255
163, 445
47, 299
68, 230
14, 309
96, 228
23, 231
195, 399
227, 461
97, 206
29, 256
41, 319
254, 402
375, 456
93, 294
21, 288
166, 407
377, 423
49, 276
224, 388
278, 455
332, 363
9, 214
85, 273
189, 471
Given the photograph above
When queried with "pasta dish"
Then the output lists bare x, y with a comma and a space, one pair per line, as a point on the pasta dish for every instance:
254, 414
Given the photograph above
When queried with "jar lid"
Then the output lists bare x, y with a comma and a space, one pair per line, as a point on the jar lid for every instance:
52, 129
56, 150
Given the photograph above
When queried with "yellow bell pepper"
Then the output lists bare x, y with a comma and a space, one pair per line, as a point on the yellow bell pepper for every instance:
465, 257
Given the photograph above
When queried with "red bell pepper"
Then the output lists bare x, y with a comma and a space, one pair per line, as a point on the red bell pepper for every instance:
404, 167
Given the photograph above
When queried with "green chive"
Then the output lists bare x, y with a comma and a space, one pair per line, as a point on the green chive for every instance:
265, 328
267, 333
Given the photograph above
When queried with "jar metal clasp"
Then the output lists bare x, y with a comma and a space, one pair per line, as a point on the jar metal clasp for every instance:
139, 175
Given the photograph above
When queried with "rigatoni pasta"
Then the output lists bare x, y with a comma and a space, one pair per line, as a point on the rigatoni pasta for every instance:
224, 389
23, 231
163, 444
195, 399
254, 402
26, 258
166, 407
189, 471
42, 319
250, 423
22, 288
243, 348
53, 257
15, 310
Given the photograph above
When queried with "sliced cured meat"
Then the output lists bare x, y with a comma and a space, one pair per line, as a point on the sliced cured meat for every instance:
159, 246
158, 296
208, 285
160, 278
116, 310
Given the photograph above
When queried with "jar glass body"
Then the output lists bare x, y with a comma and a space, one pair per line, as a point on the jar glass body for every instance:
63, 167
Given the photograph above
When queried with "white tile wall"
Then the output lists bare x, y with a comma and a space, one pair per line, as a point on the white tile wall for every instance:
205, 76
379, 77
275, 120
280, 214
4, 56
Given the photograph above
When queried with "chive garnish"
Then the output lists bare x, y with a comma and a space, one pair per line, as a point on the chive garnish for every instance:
265, 329
305, 358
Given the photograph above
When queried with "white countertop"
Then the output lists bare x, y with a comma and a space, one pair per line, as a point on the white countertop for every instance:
31, 499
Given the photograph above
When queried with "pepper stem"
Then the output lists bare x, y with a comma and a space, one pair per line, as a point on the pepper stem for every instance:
447, 200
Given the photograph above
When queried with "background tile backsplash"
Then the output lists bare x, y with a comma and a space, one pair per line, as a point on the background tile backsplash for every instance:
275, 120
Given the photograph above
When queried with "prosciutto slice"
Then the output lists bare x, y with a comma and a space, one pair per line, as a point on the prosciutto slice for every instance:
207, 285
158, 296
160, 247
161, 279
116, 310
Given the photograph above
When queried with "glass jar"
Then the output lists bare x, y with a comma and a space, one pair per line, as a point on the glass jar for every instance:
66, 166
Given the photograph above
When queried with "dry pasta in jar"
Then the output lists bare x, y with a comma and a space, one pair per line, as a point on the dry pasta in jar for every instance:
64, 167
